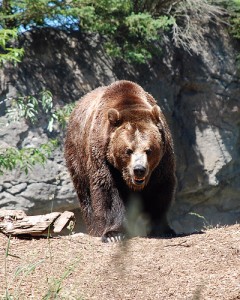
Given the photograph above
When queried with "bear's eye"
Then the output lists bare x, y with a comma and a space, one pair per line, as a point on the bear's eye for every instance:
129, 151
148, 151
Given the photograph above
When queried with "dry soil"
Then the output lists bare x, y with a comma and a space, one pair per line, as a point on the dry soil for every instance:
199, 266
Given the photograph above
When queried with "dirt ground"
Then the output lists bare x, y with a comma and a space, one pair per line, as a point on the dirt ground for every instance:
199, 266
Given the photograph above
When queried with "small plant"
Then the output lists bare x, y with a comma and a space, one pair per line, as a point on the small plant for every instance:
7, 254
25, 158
56, 285
60, 116
20, 274
30, 107
206, 224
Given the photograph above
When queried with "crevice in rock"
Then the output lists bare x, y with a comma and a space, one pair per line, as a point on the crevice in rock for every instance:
22, 137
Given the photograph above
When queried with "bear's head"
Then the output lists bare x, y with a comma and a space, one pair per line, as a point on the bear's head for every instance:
136, 144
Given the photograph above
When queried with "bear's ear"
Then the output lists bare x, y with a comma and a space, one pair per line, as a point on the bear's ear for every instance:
156, 113
114, 117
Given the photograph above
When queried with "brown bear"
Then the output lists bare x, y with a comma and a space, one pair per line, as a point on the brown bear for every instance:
118, 144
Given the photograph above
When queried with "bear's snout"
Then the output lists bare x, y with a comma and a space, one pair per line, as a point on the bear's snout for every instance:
139, 171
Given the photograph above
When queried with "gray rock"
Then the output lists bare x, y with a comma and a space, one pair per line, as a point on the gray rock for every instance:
18, 188
7, 185
40, 192
13, 132
8, 201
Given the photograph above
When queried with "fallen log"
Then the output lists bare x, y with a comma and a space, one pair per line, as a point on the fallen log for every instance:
17, 223
10, 213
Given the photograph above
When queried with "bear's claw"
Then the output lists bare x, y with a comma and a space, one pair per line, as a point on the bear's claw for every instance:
113, 237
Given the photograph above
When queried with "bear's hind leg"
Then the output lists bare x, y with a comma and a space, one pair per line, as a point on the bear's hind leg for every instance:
161, 228
157, 204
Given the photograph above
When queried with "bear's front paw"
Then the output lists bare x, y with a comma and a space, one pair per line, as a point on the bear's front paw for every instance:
113, 237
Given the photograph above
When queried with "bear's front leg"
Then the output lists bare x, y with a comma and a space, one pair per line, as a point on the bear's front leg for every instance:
108, 213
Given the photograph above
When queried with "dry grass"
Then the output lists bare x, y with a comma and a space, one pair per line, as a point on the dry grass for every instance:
191, 18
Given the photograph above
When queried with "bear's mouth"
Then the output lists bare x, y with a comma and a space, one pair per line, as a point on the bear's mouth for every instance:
138, 181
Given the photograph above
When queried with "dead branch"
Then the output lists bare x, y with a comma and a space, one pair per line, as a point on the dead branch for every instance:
17, 223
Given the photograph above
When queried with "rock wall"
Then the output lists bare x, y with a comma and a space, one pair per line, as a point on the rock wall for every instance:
200, 95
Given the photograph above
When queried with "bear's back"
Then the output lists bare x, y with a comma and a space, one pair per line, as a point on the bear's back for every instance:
125, 94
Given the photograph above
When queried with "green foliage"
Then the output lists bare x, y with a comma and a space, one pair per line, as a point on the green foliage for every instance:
30, 107
60, 116
128, 34
233, 8
128, 27
25, 158
235, 19
144, 31
9, 53
142, 25
29, 13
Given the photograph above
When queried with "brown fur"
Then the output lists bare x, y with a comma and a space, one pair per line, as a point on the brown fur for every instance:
110, 131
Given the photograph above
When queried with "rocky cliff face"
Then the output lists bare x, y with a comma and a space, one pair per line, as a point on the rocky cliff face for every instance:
199, 94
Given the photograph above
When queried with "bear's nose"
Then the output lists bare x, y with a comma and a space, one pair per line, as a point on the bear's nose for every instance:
139, 171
